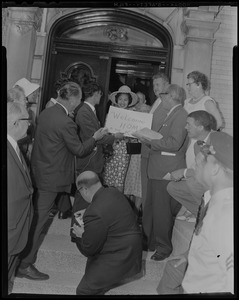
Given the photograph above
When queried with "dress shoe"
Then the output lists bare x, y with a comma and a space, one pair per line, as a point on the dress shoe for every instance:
65, 215
158, 256
32, 273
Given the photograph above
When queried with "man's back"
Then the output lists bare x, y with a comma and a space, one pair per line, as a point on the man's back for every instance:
55, 145
111, 240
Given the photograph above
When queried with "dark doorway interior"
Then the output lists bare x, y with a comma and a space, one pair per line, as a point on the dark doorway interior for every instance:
136, 74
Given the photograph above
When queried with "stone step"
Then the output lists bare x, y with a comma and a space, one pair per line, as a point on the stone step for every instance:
57, 253
55, 286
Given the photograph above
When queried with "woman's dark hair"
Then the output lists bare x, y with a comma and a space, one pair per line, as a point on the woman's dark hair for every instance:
117, 97
69, 89
199, 77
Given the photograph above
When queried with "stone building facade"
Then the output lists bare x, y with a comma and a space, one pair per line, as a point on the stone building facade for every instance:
202, 39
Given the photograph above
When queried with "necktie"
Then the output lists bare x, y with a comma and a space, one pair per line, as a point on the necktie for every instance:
201, 215
21, 158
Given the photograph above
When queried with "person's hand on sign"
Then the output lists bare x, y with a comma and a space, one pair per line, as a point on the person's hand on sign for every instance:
119, 135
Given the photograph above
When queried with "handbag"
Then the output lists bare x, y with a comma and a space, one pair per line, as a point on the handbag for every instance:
133, 148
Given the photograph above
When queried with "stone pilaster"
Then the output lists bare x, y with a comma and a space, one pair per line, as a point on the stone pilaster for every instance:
23, 22
199, 28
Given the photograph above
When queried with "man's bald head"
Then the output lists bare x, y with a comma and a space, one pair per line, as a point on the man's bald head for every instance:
88, 183
87, 179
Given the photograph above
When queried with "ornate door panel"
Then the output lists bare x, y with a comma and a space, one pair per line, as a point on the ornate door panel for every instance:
77, 66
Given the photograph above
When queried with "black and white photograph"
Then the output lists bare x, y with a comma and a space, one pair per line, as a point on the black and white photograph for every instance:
118, 171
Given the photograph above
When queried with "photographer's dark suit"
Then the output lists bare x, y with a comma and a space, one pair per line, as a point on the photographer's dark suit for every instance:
111, 242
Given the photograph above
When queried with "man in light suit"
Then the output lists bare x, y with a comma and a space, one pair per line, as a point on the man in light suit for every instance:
165, 155
109, 237
185, 188
160, 84
55, 145
19, 187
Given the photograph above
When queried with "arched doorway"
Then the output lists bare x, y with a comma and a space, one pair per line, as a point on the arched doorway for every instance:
107, 41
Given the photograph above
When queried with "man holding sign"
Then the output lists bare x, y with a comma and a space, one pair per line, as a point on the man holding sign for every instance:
166, 154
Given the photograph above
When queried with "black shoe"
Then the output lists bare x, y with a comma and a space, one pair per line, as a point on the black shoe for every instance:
158, 256
32, 273
53, 212
65, 215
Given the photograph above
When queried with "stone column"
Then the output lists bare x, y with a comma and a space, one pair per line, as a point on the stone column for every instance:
20, 44
199, 27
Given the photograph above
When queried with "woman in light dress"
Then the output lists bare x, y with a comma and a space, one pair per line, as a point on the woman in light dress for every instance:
116, 165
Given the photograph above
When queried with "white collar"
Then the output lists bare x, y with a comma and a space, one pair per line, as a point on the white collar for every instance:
14, 144
172, 109
90, 105
63, 107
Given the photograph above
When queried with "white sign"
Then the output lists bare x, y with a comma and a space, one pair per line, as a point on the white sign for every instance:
127, 121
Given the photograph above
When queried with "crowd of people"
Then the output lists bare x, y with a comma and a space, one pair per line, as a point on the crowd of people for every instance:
63, 160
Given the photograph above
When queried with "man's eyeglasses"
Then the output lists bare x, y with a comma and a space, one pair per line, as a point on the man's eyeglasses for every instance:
163, 94
23, 119
190, 83
26, 119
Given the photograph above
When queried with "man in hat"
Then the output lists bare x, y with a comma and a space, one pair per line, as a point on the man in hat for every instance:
19, 193
28, 90
211, 257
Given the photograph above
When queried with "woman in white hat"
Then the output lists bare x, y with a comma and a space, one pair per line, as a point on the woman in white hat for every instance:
116, 165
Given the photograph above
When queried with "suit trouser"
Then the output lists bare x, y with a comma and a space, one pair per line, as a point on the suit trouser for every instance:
144, 179
84, 289
43, 203
187, 192
159, 215
171, 281
63, 202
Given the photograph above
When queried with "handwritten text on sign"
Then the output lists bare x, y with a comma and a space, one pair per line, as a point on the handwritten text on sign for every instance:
127, 121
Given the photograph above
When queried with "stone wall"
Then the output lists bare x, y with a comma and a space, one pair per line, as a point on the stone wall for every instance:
221, 69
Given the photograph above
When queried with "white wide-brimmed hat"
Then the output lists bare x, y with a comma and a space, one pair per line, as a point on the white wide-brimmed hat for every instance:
27, 86
124, 89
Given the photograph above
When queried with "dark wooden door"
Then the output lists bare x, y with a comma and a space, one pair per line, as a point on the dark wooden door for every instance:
98, 64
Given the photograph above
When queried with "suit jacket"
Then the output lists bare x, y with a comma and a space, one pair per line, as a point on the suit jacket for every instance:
174, 142
111, 240
55, 145
159, 116
19, 197
88, 124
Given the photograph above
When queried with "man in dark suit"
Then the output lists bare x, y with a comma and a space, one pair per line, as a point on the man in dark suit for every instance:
55, 145
19, 187
88, 123
109, 236
166, 154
